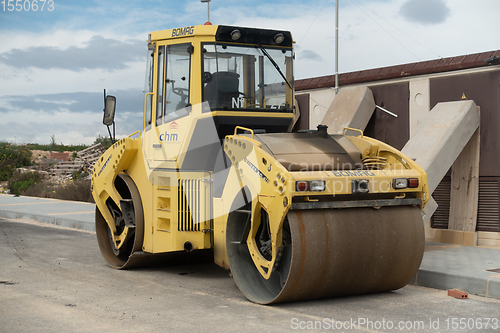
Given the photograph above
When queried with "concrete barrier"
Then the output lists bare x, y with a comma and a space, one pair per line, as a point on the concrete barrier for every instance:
352, 107
441, 137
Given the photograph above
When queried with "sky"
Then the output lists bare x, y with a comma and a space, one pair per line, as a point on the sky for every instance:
56, 61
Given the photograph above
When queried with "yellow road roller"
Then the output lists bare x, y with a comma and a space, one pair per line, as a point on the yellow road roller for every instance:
216, 170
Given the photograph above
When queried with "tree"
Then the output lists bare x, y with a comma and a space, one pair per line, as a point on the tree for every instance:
103, 140
53, 143
12, 157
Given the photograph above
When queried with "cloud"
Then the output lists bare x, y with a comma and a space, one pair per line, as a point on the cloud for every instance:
310, 55
77, 102
98, 53
62, 61
67, 127
73, 118
425, 11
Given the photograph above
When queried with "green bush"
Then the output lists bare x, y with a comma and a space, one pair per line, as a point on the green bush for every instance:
32, 184
12, 157
21, 181
6, 171
56, 147
79, 175
42, 189
76, 190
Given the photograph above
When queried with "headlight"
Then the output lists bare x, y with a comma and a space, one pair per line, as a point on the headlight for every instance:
279, 38
312, 185
399, 183
235, 34
316, 185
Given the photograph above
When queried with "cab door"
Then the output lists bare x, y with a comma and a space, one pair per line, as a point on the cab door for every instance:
168, 124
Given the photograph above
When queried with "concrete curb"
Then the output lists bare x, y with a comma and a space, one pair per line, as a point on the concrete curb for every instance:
460, 267
473, 285
60, 221
70, 214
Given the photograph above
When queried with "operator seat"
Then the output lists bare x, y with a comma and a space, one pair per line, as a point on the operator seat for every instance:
221, 90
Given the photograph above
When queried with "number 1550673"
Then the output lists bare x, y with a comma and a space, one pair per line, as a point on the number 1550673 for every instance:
27, 5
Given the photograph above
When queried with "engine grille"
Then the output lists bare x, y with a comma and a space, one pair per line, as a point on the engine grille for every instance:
189, 205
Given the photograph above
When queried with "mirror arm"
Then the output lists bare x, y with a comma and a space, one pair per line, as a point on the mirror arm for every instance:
112, 137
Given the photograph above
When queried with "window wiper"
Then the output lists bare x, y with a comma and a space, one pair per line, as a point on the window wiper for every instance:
274, 64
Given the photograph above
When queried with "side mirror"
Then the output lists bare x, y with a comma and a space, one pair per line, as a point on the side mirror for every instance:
109, 110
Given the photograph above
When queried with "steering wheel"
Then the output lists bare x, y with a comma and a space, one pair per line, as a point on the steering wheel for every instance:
180, 92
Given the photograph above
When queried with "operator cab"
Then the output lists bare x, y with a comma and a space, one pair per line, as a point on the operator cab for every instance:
203, 81
233, 72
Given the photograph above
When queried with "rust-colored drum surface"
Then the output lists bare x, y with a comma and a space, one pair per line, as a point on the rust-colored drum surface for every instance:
333, 253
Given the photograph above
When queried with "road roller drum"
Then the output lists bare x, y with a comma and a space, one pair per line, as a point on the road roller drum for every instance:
336, 253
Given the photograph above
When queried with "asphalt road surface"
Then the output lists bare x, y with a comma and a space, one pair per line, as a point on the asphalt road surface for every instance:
55, 280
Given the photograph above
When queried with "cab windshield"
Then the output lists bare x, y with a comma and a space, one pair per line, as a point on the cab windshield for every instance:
247, 78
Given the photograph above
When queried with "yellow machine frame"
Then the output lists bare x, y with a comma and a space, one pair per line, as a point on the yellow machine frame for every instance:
180, 210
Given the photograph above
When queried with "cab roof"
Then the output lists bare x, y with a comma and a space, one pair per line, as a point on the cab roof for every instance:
223, 33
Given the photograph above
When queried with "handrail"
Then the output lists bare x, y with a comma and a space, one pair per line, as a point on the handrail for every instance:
138, 131
146, 105
352, 129
243, 128
257, 143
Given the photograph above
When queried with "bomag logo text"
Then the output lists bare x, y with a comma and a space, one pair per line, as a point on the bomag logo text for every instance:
183, 31
166, 137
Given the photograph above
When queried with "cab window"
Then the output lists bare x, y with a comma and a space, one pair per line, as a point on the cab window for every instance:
247, 77
174, 63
